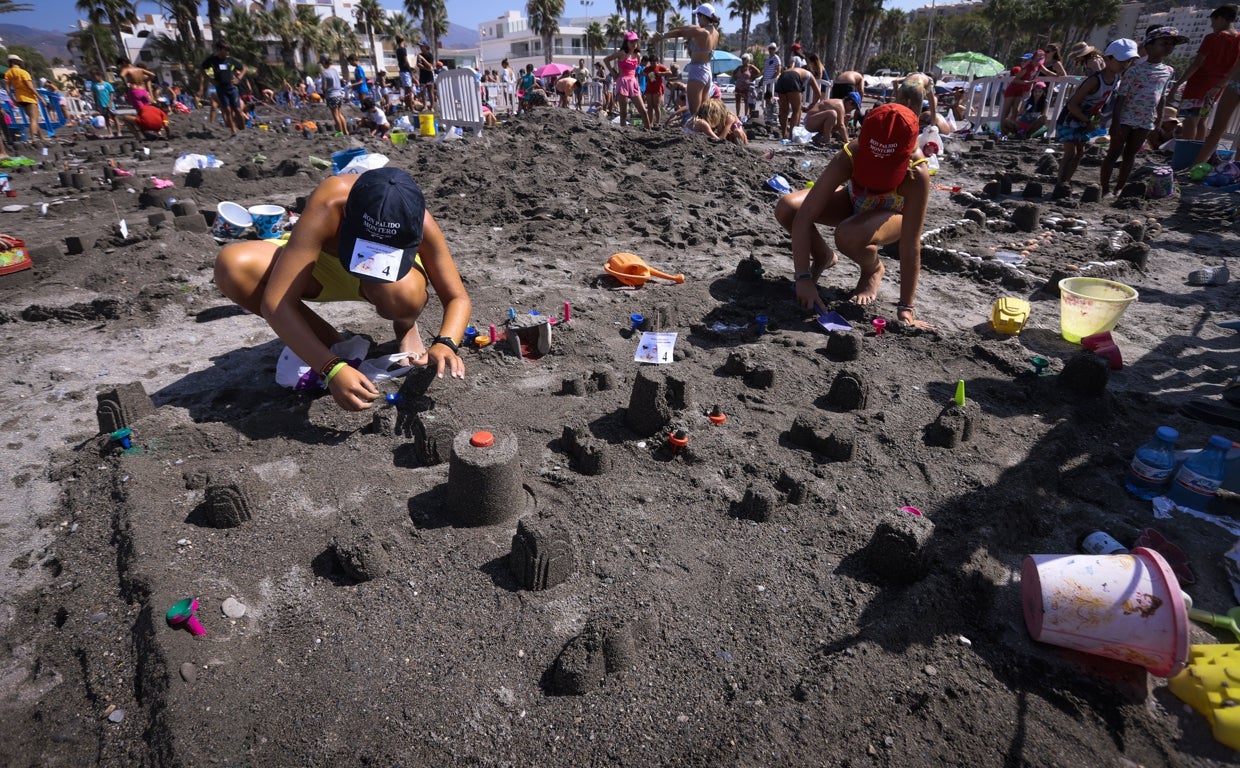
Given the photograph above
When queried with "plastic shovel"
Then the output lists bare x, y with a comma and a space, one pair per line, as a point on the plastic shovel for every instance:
1226, 621
629, 269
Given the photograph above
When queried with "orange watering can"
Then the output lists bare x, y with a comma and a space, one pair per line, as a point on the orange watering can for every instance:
629, 269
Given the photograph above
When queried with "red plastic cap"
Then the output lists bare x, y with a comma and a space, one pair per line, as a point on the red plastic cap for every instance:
482, 439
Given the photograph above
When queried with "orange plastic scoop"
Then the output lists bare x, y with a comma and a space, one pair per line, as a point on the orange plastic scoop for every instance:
629, 269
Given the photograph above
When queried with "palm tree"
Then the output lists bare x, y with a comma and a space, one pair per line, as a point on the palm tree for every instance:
744, 10
890, 30
242, 31
867, 14
400, 25
614, 29
435, 22
92, 41
1006, 18
281, 23
544, 18
340, 38
434, 16
118, 13
595, 40
185, 14
839, 31
660, 9
310, 33
806, 22
184, 54
214, 19
371, 18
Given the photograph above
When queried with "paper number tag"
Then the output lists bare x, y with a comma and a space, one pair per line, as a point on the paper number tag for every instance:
377, 261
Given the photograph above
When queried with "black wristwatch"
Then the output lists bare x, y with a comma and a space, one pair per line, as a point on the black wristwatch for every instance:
805, 276
447, 342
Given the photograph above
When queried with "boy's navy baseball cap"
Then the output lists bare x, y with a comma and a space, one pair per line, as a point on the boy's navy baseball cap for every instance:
386, 206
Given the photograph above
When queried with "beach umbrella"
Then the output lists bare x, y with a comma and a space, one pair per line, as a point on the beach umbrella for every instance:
722, 61
970, 64
552, 70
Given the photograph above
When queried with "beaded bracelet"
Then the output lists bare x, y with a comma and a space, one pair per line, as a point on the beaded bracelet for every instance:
901, 305
335, 370
323, 371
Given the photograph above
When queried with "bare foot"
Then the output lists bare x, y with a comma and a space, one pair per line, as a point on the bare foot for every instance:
413, 347
867, 287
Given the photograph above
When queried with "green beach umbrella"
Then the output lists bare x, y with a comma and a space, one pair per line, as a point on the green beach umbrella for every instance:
970, 64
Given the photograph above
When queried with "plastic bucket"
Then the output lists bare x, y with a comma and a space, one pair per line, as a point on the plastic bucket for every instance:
268, 221
231, 221
399, 138
344, 157
426, 125
1089, 305
1184, 153
1126, 607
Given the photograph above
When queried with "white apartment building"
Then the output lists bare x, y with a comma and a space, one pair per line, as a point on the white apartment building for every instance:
510, 37
1192, 21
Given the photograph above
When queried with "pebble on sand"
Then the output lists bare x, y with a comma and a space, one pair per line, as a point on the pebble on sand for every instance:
233, 608
189, 672
116, 716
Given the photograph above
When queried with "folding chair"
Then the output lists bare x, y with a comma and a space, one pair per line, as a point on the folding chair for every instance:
459, 100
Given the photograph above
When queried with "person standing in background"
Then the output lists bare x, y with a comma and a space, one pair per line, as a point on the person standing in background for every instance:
23, 94
771, 71
1203, 79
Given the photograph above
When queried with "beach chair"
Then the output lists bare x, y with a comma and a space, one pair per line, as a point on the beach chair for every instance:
458, 100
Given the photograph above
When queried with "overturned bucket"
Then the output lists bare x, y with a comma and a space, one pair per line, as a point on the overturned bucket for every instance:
1089, 305
1126, 607
232, 221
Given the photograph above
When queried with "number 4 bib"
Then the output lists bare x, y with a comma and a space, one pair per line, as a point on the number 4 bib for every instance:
376, 261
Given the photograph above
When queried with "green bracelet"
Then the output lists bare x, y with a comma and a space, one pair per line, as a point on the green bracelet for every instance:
335, 370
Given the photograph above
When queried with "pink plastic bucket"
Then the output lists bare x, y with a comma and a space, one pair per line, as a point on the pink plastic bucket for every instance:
1125, 607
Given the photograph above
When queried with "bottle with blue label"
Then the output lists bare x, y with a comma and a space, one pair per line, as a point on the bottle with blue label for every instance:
1152, 465
1198, 480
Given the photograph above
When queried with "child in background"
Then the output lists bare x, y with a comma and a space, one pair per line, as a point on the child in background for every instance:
1081, 118
374, 121
1034, 116
1139, 103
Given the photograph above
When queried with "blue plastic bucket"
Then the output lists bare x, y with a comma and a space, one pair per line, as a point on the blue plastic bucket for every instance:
1184, 154
345, 156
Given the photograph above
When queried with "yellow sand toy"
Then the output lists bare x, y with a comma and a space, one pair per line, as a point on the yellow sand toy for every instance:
1009, 315
1210, 684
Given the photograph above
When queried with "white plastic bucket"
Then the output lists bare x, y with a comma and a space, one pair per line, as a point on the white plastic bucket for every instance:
231, 221
268, 220
1126, 607
1089, 305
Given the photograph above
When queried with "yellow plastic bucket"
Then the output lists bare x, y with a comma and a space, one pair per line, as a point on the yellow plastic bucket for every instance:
426, 125
1089, 305
399, 138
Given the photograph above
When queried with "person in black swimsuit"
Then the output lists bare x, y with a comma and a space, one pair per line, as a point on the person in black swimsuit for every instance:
788, 89
426, 74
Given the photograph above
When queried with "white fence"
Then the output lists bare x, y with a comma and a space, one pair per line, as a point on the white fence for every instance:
985, 103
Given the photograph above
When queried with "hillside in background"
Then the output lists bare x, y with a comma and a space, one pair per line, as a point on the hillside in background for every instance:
50, 44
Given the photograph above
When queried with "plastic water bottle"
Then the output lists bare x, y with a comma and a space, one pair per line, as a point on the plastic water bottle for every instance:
1197, 482
930, 142
1152, 465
